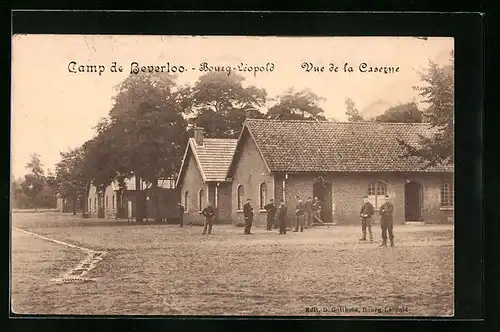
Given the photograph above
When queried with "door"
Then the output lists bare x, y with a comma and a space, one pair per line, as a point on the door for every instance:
129, 210
413, 201
323, 191
100, 207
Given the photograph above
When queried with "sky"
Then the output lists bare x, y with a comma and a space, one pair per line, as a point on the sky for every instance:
54, 109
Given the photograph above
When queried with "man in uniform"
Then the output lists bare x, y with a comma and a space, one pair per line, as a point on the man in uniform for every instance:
181, 214
248, 214
309, 211
299, 216
209, 214
386, 222
366, 213
271, 211
282, 217
317, 210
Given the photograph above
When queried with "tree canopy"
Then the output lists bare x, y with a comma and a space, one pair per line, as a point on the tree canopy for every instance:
143, 136
437, 89
70, 175
221, 103
297, 105
352, 112
36, 189
408, 113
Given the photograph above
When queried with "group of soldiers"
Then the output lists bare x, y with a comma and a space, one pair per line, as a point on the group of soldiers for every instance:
305, 214
386, 221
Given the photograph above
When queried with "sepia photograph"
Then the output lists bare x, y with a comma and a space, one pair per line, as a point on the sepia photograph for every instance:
232, 176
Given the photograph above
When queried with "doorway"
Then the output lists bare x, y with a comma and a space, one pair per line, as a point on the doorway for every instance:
322, 189
413, 201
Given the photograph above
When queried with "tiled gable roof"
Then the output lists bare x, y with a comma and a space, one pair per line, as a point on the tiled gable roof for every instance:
213, 157
323, 146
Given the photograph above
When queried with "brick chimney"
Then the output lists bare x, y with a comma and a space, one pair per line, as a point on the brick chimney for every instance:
198, 135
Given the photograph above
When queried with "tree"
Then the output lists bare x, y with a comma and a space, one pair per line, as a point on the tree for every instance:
19, 198
50, 179
33, 182
297, 105
438, 91
35, 166
352, 112
70, 176
143, 136
46, 198
408, 112
221, 104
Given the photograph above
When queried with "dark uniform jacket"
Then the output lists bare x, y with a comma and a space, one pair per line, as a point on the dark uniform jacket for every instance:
208, 212
386, 211
282, 212
300, 209
367, 210
317, 205
181, 210
308, 205
270, 208
248, 211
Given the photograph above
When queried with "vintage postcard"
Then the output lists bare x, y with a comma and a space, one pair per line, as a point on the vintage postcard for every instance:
232, 176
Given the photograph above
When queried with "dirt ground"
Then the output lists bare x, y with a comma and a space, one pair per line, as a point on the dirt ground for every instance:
167, 270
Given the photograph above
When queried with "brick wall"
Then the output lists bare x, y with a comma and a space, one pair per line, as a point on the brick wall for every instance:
110, 209
91, 198
250, 171
192, 183
349, 190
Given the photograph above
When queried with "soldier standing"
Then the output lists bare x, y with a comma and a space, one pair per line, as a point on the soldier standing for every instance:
248, 214
299, 216
386, 222
271, 211
209, 214
282, 217
309, 211
366, 213
181, 214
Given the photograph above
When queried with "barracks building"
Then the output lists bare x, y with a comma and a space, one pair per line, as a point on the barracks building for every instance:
338, 162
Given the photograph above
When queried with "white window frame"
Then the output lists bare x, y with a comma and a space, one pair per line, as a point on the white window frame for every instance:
200, 199
239, 198
262, 198
373, 193
448, 202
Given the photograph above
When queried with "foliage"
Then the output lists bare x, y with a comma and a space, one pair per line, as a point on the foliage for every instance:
297, 105
34, 181
35, 190
438, 90
35, 166
147, 127
143, 136
70, 176
408, 113
221, 104
352, 112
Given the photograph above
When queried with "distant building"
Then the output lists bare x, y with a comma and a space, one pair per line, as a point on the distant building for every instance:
116, 202
202, 177
66, 205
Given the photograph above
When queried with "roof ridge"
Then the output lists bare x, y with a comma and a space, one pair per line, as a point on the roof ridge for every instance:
346, 122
